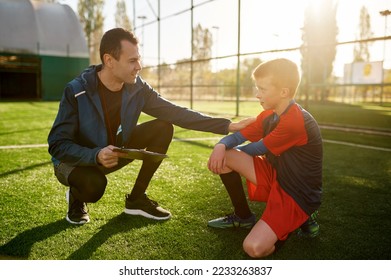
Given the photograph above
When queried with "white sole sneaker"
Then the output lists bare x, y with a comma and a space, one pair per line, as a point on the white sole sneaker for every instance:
138, 212
67, 217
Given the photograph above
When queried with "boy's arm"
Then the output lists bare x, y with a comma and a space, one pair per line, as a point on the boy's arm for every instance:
232, 140
254, 149
216, 162
235, 139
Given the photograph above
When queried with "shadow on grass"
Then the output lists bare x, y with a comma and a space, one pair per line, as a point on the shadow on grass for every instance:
24, 168
21, 245
228, 244
194, 143
118, 224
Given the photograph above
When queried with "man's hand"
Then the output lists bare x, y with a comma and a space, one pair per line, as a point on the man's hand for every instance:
236, 126
107, 157
216, 162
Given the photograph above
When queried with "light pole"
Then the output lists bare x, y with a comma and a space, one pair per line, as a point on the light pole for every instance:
217, 28
276, 41
143, 18
384, 13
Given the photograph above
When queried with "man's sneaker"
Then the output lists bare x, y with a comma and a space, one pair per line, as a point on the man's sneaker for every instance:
310, 228
77, 210
145, 207
233, 221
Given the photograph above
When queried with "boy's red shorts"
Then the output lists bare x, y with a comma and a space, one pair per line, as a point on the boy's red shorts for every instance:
282, 213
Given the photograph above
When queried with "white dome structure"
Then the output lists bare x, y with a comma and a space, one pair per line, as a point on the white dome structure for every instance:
42, 47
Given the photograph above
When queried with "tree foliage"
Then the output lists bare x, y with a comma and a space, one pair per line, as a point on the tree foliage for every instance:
121, 17
361, 51
91, 18
202, 47
319, 36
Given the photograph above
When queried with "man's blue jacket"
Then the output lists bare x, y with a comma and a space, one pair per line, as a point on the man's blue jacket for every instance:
79, 131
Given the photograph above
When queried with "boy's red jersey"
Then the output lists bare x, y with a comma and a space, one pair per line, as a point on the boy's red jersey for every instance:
295, 150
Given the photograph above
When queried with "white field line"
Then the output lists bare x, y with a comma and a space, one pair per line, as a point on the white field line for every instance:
209, 138
23, 146
357, 145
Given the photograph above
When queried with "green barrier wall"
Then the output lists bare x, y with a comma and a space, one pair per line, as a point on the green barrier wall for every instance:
56, 72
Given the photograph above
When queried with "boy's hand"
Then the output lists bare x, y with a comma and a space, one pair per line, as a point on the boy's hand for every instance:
236, 126
107, 157
216, 162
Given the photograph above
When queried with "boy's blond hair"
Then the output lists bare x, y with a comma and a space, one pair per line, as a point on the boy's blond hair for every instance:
285, 73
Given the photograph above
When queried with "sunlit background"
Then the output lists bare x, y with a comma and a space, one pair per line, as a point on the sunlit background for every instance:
203, 49
265, 25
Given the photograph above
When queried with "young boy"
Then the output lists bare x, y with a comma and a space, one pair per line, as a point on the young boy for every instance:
282, 164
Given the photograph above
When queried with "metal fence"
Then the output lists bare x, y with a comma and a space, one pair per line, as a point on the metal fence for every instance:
225, 74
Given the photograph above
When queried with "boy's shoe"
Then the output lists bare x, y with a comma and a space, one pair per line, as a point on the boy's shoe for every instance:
233, 221
77, 210
310, 228
146, 207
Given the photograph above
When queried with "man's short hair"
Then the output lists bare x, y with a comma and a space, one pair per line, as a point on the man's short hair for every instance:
285, 73
111, 42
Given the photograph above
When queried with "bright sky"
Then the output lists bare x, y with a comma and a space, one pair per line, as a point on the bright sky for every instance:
265, 25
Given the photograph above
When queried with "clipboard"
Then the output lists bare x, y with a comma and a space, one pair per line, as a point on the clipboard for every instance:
140, 154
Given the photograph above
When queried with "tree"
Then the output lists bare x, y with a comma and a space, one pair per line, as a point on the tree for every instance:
91, 18
319, 44
361, 51
246, 69
202, 47
202, 42
121, 18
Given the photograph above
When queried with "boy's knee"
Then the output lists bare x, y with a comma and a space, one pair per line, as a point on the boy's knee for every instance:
257, 250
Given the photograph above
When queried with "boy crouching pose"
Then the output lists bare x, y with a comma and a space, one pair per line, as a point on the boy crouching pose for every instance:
282, 164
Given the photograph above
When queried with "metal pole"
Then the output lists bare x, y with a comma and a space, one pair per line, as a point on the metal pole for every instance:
238, 64
217, 28
191, 58
158, 47
134, 15
384, 13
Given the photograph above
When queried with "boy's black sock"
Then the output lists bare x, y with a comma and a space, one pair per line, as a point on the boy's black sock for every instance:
233, 184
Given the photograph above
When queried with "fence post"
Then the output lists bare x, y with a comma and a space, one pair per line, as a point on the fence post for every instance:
158, 47
238, 64
192, 51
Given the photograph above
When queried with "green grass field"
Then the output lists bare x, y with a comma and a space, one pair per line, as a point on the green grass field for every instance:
354, 216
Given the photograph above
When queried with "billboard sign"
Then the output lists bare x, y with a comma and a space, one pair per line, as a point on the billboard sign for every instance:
364, 73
